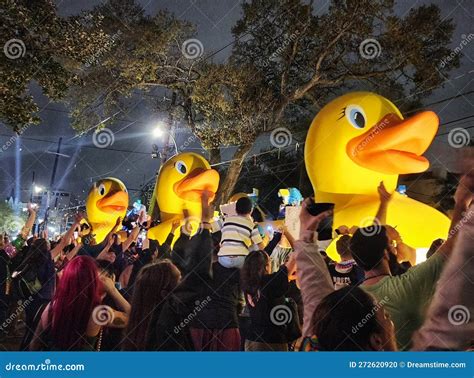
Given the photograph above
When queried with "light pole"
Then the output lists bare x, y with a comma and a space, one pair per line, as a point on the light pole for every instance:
159, 131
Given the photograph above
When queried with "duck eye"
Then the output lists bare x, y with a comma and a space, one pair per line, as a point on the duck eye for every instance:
181, 167
355, 115
101, 189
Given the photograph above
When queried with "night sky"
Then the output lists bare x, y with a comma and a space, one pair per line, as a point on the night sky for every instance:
214, 20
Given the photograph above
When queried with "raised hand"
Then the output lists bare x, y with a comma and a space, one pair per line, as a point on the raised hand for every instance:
108, 283
384, 195
207, 209
465, 191
174, 225
31, 207
78, 217
110, 240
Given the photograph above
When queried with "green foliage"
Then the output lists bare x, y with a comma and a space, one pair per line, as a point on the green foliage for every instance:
143, 53
225, 108
46, 50
10, 222
289, 58
303, 53
303, 57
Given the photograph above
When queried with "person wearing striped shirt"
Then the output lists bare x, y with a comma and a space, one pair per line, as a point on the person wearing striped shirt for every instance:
240, 235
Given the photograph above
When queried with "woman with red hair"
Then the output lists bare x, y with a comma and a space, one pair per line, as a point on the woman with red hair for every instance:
74, 318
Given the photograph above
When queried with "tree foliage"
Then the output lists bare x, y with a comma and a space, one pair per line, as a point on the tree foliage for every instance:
10, 222
40, 47
143, 53
225, 111
303, 53
303, 56
289, 58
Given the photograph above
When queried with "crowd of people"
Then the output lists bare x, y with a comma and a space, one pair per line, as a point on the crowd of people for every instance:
237, 288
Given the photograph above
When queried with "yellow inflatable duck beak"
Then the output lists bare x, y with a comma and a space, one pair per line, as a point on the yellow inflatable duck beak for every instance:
114, 202
198, 181
181, 182
395, 146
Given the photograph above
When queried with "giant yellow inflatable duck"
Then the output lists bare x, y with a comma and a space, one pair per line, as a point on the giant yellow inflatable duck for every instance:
107, 200
360, 139
180, 183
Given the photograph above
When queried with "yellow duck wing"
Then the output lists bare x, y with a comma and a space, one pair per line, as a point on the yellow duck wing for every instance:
417, 223
160, 232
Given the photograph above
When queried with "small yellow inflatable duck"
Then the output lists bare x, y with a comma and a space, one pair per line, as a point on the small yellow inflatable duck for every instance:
180, 183
107, 200
360, 139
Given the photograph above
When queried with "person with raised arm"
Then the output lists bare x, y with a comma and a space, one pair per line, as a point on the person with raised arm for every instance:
408, 295
169, 327
74, 318
449, 324
16, 246
106, 254
311, 270
67, 237
401, 252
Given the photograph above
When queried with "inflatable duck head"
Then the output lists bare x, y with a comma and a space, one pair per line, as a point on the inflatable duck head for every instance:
360, 139
181, 181
107, 200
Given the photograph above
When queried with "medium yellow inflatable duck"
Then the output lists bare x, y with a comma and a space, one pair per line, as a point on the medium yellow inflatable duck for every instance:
360, 139
180, 183
107, 200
